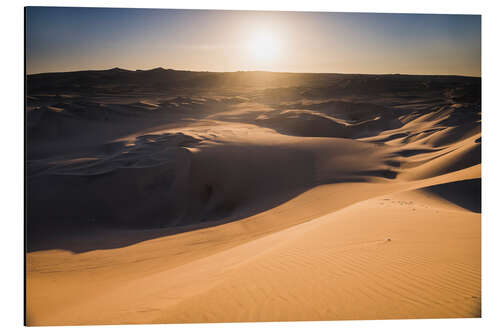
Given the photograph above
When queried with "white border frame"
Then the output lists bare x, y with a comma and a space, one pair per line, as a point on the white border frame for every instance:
12, 165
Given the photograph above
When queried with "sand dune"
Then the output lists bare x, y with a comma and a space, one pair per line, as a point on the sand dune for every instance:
214, 197
410, 271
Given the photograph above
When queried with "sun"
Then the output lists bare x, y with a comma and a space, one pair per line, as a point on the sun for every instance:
264, 47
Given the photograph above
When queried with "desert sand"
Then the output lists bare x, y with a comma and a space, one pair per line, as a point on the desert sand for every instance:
166, 196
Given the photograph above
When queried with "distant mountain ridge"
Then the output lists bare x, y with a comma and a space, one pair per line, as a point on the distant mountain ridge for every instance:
119, 80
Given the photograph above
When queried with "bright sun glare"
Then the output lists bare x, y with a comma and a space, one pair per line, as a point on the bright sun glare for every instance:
264, 47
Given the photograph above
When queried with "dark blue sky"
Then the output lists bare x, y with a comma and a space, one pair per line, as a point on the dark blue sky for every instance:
64, 39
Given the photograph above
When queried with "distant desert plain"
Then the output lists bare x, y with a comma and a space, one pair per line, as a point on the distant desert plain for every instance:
164, 196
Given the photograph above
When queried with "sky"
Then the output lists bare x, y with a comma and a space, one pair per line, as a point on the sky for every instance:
60, 39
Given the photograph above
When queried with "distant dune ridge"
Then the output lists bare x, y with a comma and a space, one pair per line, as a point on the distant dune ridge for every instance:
168, 196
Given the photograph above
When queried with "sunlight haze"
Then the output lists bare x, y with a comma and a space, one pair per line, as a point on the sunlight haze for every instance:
69, 39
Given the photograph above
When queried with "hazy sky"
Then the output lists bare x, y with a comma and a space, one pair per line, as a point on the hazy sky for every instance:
67, 39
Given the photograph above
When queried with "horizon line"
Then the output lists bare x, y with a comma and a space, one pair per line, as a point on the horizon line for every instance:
237, 71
